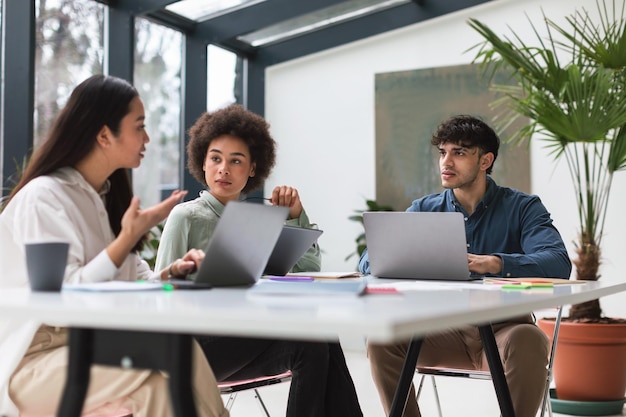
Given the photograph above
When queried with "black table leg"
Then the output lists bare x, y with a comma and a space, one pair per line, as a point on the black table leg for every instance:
497, 371
181, 392
79, 364
168, 352
406, 378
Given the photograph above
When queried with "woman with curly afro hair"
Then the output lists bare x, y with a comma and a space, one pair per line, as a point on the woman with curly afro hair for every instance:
231, 152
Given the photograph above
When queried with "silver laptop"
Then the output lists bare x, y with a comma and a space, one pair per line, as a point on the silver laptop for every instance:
417, 245
292, 243
239, 247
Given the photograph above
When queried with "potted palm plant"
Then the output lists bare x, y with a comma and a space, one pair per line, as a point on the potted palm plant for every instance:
570, 87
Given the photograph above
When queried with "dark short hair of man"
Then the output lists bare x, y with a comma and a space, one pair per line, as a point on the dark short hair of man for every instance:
470, 132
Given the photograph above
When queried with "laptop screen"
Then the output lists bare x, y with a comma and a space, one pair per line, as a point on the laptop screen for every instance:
417, 245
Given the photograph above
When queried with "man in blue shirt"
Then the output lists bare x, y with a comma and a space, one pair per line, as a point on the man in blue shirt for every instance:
509, 234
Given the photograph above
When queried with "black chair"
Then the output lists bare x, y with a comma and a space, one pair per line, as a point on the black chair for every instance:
233, 387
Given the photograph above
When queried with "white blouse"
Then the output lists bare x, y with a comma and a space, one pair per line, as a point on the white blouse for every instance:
61, 206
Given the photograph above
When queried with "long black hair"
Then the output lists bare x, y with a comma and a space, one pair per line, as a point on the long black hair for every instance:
98, 101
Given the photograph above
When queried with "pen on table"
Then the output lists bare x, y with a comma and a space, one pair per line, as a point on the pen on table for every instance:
257, 198
496, 281
292, 279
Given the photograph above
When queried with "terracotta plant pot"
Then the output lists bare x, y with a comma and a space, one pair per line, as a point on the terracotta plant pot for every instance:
590, 361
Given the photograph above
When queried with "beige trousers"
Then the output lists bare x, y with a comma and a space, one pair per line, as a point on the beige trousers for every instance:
37, 384
523, 349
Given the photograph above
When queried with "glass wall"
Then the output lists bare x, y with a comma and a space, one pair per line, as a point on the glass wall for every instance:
1, 95
158, 56
69, 48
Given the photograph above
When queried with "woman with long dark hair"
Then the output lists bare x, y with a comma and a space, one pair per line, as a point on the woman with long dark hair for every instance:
76, 188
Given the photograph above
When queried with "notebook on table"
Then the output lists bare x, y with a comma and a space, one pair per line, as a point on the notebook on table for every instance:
417, 245
239, 247
315, 288
293, 242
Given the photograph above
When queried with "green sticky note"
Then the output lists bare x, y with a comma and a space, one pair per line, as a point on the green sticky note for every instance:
516, 286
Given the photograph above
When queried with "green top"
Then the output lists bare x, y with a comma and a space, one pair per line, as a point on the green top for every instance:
191, 224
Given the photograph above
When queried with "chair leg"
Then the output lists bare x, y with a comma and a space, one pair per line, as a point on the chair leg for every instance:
257, 395
419, 388
547, 405
432, 378
231, 400
434, 383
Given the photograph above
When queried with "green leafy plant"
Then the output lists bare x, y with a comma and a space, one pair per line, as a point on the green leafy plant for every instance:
149, 250
571, 86
12, 180
358, 217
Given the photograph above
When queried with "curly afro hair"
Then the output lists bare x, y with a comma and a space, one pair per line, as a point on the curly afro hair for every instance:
236, 121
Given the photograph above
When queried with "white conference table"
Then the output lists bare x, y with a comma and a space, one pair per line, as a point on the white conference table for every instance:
169, 318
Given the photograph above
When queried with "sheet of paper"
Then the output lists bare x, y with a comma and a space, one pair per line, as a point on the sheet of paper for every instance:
110, 286
326, 274
533, 280
327, 288
415, 285
488, 284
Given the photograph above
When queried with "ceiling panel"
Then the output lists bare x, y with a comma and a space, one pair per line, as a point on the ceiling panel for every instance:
278, 30
257, 17
318, 19
204, 9
361, 28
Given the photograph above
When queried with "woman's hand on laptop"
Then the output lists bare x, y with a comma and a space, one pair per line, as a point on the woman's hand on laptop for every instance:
484, 264
286, 196
186, 265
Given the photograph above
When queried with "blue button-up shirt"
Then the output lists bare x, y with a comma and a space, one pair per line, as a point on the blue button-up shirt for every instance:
506, 223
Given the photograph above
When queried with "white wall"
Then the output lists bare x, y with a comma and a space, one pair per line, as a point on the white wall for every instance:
321, 109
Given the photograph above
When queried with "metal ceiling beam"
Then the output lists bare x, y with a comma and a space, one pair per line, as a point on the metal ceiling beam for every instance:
248, 19
139, 6
172, 20
153, 10
242, 49
360, 28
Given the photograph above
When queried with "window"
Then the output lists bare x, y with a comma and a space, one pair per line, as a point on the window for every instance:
69, 48
221, 77
157, 78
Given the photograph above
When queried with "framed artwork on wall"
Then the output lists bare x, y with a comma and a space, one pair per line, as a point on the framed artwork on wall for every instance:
409, 106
